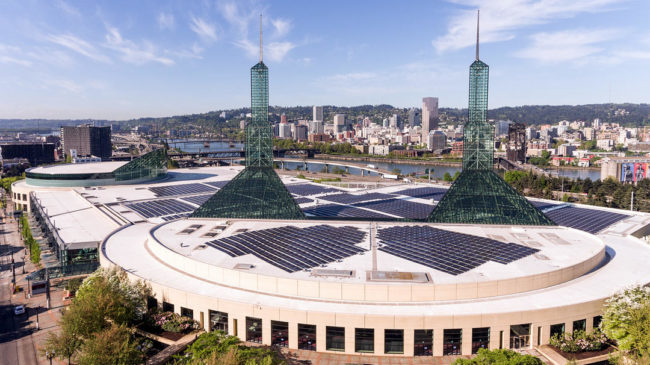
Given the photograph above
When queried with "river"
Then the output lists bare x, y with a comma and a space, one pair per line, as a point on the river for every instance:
438, 170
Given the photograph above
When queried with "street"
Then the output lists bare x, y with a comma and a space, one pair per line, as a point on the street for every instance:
19, 338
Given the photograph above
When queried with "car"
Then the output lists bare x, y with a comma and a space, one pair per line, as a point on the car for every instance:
19, 309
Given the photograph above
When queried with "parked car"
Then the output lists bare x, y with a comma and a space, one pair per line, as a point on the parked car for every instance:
19, 309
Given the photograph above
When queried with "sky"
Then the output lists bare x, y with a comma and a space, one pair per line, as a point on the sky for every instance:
123, 59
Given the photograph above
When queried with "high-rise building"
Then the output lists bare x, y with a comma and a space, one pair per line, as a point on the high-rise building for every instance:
394, 121
283, 118
318, 113
299, 132
429, 115
516, 148
502, 127
339, 123
36, 153
316, 127
437, 140
87, 140
413, 117
284, 130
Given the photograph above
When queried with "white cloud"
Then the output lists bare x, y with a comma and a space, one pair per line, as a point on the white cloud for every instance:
567, 45
78, 45
165, 21
204, 29
133, 53
12, 54
282, 27
500, 19
274, 51
67, 8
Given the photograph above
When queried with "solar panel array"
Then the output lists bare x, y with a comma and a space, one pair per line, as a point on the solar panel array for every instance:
293, 249
197, 199
399, 207
182, 189
218, 184
309, 189
542, 205
588, 220
346, 198
157, 208
424, 192
302, 200
446, 251
175, 216
343, 211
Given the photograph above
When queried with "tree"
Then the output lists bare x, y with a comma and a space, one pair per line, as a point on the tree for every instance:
64, 345
447, 177
501, 357
113, 345
626, 319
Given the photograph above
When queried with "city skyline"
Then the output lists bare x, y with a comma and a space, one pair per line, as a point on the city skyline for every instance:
117, 61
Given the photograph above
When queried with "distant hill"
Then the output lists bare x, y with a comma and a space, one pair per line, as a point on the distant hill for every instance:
626, 114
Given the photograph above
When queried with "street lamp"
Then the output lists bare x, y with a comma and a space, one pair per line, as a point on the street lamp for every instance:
50, 355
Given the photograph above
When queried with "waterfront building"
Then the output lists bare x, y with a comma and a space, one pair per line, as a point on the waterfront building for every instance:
87, 140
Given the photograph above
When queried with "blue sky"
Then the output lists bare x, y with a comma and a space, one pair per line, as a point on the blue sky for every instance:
119, 59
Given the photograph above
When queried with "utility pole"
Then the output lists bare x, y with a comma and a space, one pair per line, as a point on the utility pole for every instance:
47, 288
632, 201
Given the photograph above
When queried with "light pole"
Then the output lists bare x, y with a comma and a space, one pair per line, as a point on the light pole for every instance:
50, 355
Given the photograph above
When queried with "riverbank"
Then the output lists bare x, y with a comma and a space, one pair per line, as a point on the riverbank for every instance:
365, 159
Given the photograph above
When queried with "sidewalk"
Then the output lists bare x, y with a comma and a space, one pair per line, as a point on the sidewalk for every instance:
26, 339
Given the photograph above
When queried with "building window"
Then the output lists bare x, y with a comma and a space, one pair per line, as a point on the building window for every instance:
186, 312
335, 338
580, 325
557, 329
307, 337
520, 336
280, 333
25, 197
394, 341
364, 340
452, 341
423, 343
218, 321
480, 339
597, 320
152, 303
167, 307
253, 329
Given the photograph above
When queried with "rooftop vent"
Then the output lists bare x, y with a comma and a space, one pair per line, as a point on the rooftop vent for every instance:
332, 273
398, 276
244, 267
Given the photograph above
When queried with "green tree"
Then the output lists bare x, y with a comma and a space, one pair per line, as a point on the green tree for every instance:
501, 357
447, 177
64, 345
113, 345
626, 319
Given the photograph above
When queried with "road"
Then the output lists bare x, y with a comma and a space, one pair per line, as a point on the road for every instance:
19, 339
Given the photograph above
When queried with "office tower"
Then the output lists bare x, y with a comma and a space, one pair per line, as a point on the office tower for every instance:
437, 140
339, 123
413, 117
318, 113
516, 148
283, 119
429, 115
87, 140
394, 121
502, 127
479, 195
257, 191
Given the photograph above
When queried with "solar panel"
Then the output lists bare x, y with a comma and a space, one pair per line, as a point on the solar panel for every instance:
309, 189
347, 198
182, 189
293, 249
344, 211
542, 205
157, 208
588, 220
302, 200
197, 199
424, 192
400, 207
217, 184
446, 251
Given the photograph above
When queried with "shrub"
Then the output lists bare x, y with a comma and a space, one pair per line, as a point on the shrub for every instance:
579, 341
172, 322
501, 357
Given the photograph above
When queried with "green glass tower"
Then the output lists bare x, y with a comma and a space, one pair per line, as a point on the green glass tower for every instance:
479, 195
257, 192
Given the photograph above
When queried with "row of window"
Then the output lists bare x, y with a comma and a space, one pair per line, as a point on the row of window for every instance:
17, 196
364, 338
